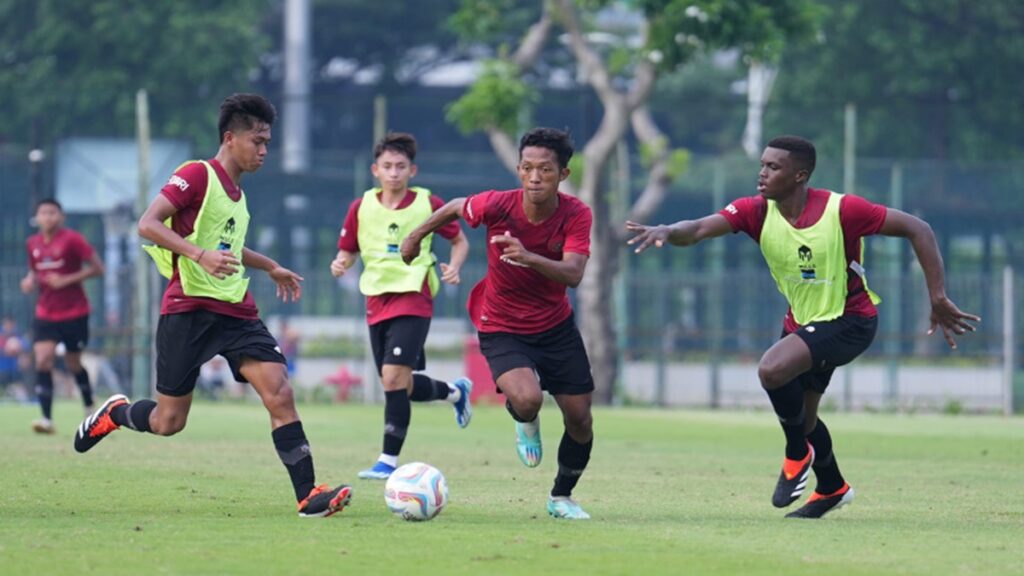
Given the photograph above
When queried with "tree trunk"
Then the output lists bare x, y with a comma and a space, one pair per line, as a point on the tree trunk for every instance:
595, 301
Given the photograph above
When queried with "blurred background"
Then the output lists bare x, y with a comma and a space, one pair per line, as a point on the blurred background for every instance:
911, 103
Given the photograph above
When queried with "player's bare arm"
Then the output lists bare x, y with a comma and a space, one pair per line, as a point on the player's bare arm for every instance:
94, 267
217, 263
342, 262
28, 283
450, 212
945, 313
569, 270
289, 287
682, 233
460, 250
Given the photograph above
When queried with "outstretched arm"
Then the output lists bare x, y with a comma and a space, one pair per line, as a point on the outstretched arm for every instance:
944, 312
682, 233
450, 212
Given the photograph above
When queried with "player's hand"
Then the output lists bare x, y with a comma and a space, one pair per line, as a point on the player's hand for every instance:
449, 274
953, 321
338, 268
410, 248
218, 263
28, 284
56, 281
647, 235
288, 284
513, 251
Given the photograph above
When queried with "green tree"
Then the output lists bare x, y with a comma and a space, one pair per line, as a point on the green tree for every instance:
72, 67
666, 35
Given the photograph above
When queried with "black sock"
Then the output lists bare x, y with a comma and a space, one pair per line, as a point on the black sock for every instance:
515, 415
135, 415
44, 391
425, 389
825, 467
293, 449
397, 415
572, 460
788, 402
82, 379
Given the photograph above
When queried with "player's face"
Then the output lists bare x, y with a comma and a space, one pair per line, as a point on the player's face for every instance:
49, 217
393, 170
779, 174
248, 148
540, 174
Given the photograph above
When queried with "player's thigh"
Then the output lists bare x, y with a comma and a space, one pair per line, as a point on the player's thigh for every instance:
838, 342
184, 342
521, 385
73, 362
564, 368
44, 352
74, 333
399, 342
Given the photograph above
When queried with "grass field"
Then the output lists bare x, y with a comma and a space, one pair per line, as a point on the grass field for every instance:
671, 492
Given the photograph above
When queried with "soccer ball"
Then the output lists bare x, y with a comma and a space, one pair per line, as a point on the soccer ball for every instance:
416, 492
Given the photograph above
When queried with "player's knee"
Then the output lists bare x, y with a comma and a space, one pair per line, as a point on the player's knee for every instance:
394, 382
168, 425
770, 373
282, 399
44, 362
580, 425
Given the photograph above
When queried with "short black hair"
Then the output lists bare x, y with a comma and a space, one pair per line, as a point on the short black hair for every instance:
400, 142
551, 138
51, 202
242, 111
801, 149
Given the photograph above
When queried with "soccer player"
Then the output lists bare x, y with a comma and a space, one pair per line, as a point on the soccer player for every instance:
199, 223
812, 241
400, 298
55, 259
538, 245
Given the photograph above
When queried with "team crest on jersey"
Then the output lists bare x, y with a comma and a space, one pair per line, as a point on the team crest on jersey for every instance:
807, 267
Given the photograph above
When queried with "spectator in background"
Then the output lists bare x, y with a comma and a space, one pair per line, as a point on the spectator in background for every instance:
14, 356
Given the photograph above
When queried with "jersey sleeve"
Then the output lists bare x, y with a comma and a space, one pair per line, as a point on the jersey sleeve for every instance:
186, 186
449, 230
745, 215
83, 248
348, 239
474, 212
861, 217
577, 231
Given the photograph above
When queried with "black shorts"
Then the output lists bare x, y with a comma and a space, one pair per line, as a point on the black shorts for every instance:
556, 355
186, 341
834, 343
73, 333
399, 341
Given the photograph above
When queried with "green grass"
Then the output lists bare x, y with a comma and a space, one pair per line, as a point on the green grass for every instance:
671, 492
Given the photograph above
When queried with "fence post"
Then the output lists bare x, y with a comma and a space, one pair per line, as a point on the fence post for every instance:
895, 296
1009, 343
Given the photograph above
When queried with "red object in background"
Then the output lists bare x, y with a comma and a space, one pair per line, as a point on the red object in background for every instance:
344, 381
477, 370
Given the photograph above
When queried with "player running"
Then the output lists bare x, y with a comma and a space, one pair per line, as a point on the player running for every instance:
812, 241
55, 258
400, 298
199, 223
538, 245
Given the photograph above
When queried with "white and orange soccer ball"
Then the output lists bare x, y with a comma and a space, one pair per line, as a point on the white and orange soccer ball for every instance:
416, 492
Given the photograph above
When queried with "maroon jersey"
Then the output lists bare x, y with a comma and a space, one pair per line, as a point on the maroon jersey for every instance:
512, 297
62, 255
387, 306
857, 216
186, 190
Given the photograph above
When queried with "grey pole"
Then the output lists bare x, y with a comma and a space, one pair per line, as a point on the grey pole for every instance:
295, 122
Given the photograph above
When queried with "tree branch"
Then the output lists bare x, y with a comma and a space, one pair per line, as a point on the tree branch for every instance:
658, 177
533, 42
593, 68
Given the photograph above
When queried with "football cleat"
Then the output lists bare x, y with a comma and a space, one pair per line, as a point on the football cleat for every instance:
379, 471
98, 425
324, 501
565, 507
820, 504
529, 446
43, 426
464, 407
793, 479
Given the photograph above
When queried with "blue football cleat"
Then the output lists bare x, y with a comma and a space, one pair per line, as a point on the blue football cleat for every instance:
379, 471
565, 507
464, 407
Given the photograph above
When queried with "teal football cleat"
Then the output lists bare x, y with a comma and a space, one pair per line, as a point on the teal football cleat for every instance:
565, 507
379, 471
464, 407
528, 445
